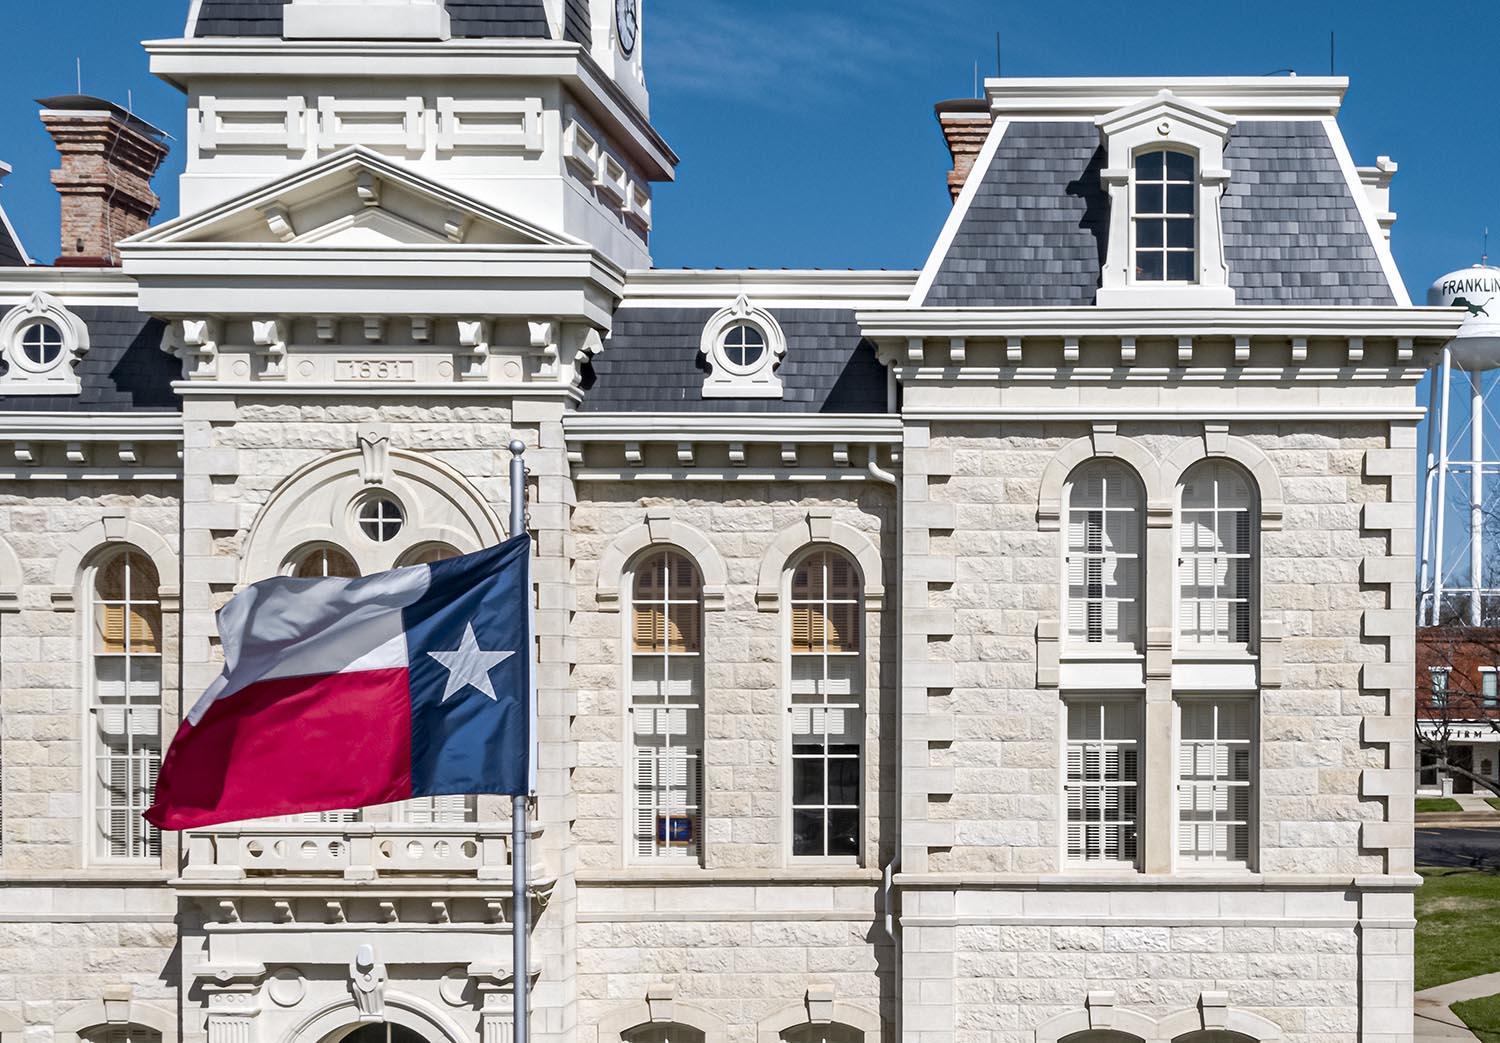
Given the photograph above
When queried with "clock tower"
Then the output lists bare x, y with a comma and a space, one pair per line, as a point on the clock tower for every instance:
536, 107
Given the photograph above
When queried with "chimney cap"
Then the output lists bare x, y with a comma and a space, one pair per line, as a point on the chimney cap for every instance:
974, 105
88, 103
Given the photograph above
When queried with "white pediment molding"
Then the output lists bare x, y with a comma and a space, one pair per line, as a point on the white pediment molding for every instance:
313, 205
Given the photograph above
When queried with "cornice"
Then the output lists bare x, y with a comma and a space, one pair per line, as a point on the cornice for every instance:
706, 428
91, 427
1092, 97
177, 61
1243, 320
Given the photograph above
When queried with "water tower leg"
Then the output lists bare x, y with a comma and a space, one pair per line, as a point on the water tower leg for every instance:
1476, 500
1425, 616
1445, 374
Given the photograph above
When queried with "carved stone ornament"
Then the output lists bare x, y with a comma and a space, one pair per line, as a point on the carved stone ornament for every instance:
367, 979
375, 452
743, 345
41, 343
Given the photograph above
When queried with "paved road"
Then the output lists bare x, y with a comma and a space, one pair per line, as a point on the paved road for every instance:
1458, 846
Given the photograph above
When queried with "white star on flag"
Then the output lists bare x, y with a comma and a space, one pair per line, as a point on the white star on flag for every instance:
469, 665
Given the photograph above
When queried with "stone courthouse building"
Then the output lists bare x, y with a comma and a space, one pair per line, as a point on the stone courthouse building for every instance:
1019, 650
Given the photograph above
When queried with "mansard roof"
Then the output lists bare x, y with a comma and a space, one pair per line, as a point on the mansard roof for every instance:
125, 369
1036, 230
651, 364
512, 19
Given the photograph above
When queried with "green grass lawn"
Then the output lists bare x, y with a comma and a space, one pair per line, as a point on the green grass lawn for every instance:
1493, 802
1438, 804
1483, 1016
1457, 910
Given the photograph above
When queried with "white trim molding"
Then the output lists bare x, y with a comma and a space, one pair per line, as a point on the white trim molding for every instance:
819, 1010
1103, 443
1165, 122
613, 1028
1217, 444
659, 531
117, 1007
730, 379
113, 531
819, 529
57, 376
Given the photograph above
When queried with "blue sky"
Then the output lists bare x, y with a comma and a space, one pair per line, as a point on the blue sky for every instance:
806, 128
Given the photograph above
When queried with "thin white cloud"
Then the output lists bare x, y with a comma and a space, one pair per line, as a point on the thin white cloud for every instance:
747, 51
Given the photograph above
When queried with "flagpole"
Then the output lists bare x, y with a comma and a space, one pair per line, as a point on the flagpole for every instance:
520, 900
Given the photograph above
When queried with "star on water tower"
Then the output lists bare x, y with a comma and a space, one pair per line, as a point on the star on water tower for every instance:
1457, 583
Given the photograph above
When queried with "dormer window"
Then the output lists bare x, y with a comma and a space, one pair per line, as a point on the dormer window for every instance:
1166, 217
1165, 177
742, 345
41, 342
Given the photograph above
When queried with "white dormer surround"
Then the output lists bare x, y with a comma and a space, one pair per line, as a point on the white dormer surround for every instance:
366, 20
1165, 123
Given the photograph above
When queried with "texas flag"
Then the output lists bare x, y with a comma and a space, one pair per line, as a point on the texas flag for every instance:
343, 693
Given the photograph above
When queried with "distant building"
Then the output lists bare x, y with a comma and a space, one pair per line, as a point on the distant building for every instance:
1019, 649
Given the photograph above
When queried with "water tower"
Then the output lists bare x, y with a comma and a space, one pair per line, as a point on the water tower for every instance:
1457, 585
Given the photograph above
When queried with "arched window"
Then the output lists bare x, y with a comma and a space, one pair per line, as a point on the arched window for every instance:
1216, 556
1100, 1036
827, 705
1215, 1036
427, 554
666, 707
123, 1034
1105, 521
829, 1033
1166, 217
125, 647
664, 1032
319, 561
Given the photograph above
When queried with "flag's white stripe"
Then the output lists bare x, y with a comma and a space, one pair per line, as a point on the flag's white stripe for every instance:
296, 628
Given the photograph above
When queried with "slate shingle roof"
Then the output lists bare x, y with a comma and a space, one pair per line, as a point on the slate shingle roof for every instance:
577, 25
1036, 231
125, 369
651, 363
524, 19
1292, 232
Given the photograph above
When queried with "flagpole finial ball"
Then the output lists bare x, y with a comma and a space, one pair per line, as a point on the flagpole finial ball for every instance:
517, 447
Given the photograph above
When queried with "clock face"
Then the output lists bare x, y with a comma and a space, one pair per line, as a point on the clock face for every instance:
628, 24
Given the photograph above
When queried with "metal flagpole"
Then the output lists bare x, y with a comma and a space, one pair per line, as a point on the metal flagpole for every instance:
520, 900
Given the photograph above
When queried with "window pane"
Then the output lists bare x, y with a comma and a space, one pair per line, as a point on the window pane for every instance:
807, 780
1150, 234
1148, 199
1180, 267
1150, 267
1180, 199
843, 781
1215, 556
1148, 167
1179, 166
1180, 232
843, 833
807, 832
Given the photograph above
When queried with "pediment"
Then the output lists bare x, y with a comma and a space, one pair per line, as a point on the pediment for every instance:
354, 199
1166, 105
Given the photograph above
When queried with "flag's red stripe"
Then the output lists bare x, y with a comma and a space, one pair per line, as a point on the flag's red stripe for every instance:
290, 746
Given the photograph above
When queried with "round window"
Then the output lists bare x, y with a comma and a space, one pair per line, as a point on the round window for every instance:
41, 344
744, 346
381, 518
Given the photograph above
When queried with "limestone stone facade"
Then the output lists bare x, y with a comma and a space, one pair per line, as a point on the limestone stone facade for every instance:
945, 656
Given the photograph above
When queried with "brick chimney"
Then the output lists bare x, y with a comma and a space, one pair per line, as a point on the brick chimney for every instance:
966, 123
108, 159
